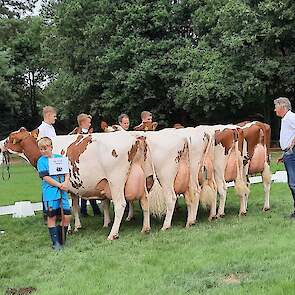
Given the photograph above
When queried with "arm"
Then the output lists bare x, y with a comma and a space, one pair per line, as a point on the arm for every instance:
52, 182
65, 184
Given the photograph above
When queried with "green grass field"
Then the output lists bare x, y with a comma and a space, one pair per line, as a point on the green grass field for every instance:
249, 255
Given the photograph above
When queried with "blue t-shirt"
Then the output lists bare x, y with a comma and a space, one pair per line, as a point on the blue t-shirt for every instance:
49, 192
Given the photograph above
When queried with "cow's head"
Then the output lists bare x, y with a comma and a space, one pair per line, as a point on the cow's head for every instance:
24, 144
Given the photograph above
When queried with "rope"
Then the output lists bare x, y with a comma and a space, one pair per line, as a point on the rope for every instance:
6, 164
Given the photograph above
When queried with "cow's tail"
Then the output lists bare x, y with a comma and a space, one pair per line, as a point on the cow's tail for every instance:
208, 192
156, 199
240, 185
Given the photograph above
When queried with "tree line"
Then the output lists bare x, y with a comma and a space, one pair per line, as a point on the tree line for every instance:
188, 61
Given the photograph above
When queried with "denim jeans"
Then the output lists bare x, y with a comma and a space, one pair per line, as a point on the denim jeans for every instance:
289, 162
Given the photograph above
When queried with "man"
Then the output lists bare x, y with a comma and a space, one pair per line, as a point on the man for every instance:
123, 120
84, 124
287, 141
46, 128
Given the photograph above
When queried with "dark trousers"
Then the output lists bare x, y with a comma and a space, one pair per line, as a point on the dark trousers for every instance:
93, 204
289, 162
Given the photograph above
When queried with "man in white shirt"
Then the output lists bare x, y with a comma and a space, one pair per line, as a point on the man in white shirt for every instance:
287, 141
46, 128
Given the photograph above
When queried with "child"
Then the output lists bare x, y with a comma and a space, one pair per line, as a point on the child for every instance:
84, 124
147, 123
49, 117
51, 191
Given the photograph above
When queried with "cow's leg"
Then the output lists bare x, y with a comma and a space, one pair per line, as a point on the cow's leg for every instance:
105, 204
222, 197
191, 200
266, 178
119, 208
170, 198
130, 211
146, 214
76, 210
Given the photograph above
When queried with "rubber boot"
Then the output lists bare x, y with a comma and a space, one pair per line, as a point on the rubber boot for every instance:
60, 234
54, 234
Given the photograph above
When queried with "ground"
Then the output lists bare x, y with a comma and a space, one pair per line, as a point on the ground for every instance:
249, 255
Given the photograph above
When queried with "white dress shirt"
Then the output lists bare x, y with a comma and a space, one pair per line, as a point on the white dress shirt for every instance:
46, 130
287, 132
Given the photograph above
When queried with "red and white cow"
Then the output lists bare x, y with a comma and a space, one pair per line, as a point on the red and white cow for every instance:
228, 162
256, 159
101, 165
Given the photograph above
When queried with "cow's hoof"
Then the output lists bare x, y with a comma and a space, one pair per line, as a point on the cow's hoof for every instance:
106, 225
218, 216
265, 209
113, 237
164, 228
210, 218
130, 218
146, 230
242, 214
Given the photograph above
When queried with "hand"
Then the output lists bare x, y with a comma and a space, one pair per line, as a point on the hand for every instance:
64, 186
280, 160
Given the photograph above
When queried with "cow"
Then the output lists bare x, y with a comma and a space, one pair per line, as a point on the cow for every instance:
178, 158
108, 166
228, 163
256, 159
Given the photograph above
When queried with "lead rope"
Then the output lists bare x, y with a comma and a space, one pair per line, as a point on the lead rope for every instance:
6, 164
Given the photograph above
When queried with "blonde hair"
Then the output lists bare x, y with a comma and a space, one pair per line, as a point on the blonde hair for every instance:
49, 109
145, 114
44, 141
82, 117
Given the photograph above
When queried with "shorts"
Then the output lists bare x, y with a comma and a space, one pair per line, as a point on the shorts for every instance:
52, 208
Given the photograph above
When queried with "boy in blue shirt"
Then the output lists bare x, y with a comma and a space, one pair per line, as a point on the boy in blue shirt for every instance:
52, 189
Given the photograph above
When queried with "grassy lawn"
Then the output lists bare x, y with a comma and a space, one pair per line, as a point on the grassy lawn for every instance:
249, 255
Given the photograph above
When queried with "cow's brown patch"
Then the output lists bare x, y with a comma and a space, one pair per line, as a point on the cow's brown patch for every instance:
180, 153
132, 152
74, 151
149, 182
226, 138
114, 154
22, 141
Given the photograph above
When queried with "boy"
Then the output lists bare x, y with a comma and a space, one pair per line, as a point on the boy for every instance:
84, 124
49, 117
147, 123
51, 193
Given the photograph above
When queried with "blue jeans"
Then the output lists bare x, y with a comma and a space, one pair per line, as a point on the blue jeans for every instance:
289, 162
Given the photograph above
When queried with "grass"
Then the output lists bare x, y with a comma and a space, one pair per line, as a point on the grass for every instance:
249, 255
23, 185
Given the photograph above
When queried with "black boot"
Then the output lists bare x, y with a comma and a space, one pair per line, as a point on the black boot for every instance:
60, 234
54, 234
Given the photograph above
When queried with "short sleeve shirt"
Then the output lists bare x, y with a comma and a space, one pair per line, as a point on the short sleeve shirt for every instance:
49, 192
46, 130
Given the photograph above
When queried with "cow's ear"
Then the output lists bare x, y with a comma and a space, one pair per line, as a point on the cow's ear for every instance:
154, 125
21, 129
35, 133
14, 141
